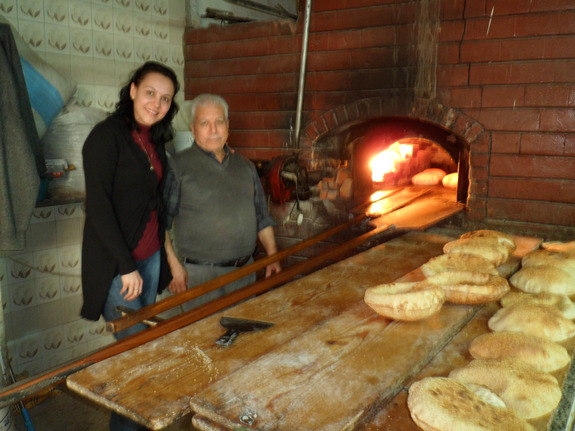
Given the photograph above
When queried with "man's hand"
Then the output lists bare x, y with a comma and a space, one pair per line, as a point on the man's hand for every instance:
179, 281
132, 284
273, 268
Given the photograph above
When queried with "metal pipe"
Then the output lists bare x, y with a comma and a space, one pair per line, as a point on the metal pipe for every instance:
302, 73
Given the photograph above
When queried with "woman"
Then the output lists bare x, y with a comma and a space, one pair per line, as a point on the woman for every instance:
124, 260
127, 256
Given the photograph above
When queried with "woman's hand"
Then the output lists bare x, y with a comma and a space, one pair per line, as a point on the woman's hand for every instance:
132, 285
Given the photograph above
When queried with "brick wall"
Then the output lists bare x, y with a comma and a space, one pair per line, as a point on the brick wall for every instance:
504, 84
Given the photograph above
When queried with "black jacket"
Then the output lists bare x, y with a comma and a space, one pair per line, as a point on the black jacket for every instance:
120, 193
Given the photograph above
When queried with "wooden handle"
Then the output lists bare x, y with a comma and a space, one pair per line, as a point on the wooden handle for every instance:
173, 301
20, 390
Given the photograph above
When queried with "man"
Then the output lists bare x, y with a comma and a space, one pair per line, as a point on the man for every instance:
221, 207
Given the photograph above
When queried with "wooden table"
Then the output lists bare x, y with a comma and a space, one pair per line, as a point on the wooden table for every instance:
329, 363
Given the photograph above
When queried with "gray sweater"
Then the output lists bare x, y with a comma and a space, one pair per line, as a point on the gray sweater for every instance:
217, 218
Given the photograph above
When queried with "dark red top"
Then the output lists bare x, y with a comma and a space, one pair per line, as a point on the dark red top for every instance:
150, 241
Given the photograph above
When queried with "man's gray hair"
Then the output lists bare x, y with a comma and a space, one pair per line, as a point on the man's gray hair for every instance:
207, 99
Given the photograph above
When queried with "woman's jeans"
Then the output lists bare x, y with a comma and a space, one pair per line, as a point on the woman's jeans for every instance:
150, 272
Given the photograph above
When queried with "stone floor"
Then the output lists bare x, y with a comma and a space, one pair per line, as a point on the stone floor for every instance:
65, 411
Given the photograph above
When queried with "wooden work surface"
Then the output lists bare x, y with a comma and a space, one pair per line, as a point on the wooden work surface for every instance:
329, 363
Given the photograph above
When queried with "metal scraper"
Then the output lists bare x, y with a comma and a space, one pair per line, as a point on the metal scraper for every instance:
234, 326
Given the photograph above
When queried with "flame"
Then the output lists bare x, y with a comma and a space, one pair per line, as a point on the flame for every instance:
388, 159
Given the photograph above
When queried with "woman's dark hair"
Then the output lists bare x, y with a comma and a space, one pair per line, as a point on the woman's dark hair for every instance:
162, 131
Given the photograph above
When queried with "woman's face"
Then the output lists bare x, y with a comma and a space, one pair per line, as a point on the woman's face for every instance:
152, 98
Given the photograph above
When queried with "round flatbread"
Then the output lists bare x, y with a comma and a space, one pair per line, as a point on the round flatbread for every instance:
562, 302
465, 287
458, 262
502, 237
538, 352
543, 278
528, 392
534, 319
443, 404
407, 301
559, 259
488, 248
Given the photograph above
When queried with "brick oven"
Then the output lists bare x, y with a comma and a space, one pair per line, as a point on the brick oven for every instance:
490, 82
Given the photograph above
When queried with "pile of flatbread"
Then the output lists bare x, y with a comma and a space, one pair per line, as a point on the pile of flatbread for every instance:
466, 273
512, 365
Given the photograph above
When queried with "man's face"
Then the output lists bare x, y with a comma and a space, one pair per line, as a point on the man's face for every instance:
210, 127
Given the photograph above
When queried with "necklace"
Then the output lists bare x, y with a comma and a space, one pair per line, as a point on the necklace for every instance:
146, 152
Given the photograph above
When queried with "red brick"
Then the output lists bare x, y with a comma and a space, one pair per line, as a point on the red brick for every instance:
533, 24
533, 189
448, 53
480, 51
462, 97
505, 143
559, 120
532, 212
452, 9
285, 45
259, 120
509, 119
498, 27
560, 47
478, 188
323, 5
570, 145
532, 166
542, 144
451, 31
485, 74
245, 66
373, 57
453, 75
475, 8
551, 5
503, 96
562, 71
479, 160
549, 95
250, 30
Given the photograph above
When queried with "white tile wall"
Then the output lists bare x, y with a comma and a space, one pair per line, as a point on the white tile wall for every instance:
97, 43
41, 294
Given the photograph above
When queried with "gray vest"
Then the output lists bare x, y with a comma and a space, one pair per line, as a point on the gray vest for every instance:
217, 216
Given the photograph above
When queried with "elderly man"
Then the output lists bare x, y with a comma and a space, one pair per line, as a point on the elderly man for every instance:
221, 210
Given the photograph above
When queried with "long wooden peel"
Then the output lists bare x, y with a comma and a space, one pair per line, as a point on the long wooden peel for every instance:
24, 388
178, 299
175, 300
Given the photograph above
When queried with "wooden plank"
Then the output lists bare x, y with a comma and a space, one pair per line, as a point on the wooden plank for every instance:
423, 212
331, 378
398, 199
153, 383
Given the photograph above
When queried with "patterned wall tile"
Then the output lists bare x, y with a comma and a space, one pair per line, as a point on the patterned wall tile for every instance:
98, 43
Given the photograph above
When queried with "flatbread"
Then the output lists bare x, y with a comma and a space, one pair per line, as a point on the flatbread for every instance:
528, 392
540, 353
458, 262
465, 287
559, 259
502, 237
489, 248
534, 319
443, 404
406, 301
562, 302
543, 278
